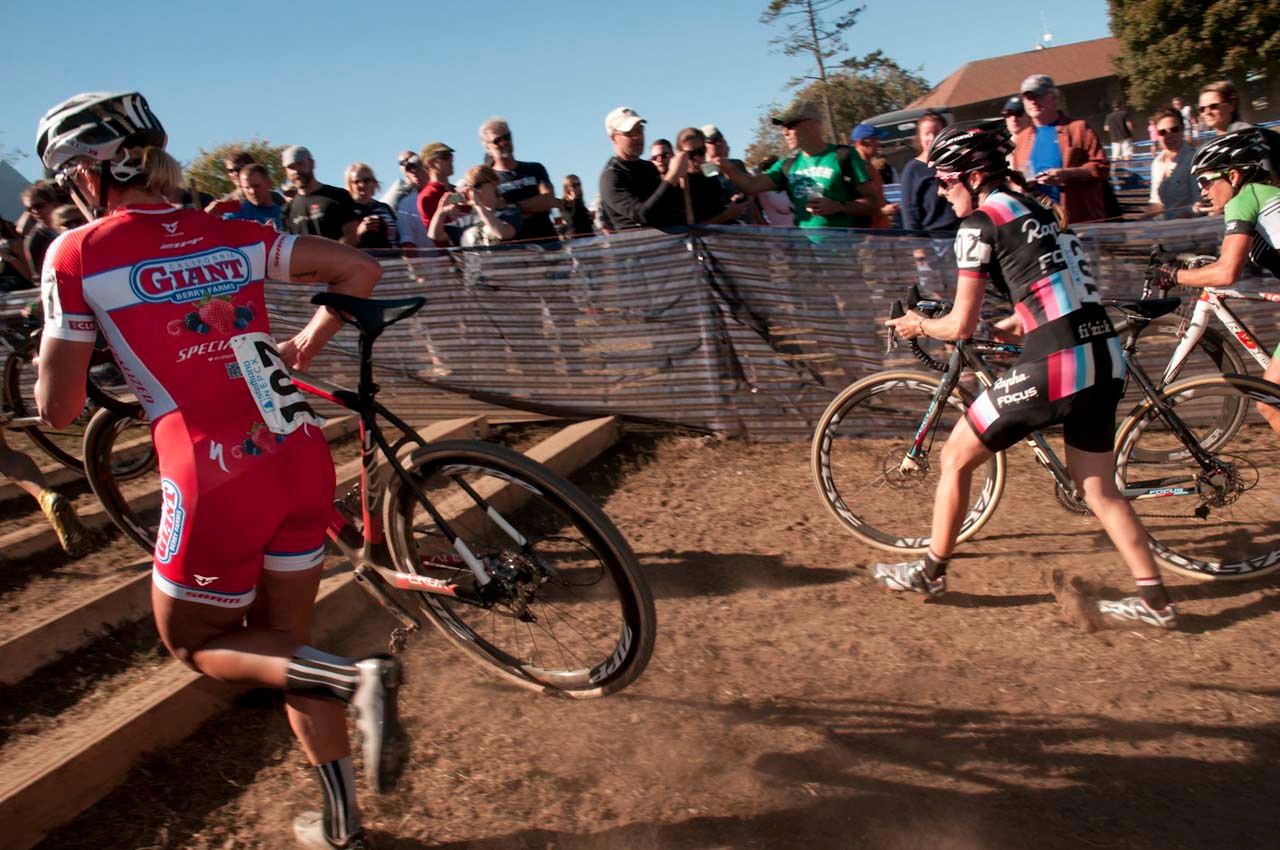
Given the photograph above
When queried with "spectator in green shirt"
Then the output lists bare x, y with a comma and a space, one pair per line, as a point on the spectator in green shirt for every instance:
829, 184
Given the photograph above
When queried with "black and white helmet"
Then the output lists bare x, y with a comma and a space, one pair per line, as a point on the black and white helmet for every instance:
1242, 149
967, 147
96, 125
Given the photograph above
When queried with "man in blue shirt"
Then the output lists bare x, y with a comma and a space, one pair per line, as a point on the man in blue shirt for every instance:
1061, 154
255, 185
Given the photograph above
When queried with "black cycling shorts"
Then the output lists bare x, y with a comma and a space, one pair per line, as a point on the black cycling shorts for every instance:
1078, 387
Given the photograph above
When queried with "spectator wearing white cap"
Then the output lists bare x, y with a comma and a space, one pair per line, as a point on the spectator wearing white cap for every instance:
632, 191
1061, 154
413, 232
717, 153
317, 209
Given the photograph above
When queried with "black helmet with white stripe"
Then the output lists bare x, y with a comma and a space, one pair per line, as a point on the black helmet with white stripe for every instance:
96, 126
959, 148
1243, 149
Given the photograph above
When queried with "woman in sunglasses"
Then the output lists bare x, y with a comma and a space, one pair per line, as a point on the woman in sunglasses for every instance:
1236, 175
1220, 108
1070, 372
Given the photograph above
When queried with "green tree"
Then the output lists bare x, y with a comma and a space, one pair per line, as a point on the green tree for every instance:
1175, 46
867, 86
810, 32
11, 155
210, 175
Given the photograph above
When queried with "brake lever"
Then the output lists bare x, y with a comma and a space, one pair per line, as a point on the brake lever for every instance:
895, 312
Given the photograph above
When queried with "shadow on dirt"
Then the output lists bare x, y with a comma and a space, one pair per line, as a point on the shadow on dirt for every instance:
674, 574
904, 777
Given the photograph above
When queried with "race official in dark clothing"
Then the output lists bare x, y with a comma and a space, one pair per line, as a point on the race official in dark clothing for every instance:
632, 192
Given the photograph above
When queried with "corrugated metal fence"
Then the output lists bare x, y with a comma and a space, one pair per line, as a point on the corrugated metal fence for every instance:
745, 332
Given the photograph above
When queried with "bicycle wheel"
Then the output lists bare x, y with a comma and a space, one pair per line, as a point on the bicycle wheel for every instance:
104, 388
1213, 355
859, 462
111, 454
1223, 524
62, 444
567, 613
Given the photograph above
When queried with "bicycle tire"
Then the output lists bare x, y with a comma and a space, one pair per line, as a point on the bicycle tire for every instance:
856, 456
62, 444
594, 595
1213, 355
1242, 537
65, 445
136, 514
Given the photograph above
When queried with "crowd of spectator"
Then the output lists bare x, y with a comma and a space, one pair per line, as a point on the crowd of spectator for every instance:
695, 180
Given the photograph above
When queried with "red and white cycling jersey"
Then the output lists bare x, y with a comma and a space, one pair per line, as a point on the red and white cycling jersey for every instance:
170, 288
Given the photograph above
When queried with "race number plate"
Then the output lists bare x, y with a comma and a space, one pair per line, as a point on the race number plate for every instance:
284, 409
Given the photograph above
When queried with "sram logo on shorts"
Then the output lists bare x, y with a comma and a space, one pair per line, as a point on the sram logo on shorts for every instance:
191, 278
172, 520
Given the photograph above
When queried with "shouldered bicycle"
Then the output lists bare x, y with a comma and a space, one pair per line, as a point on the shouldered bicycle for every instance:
1201, 467
514, 564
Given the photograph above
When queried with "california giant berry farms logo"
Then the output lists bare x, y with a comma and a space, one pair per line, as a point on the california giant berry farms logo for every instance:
192, 278
172, 519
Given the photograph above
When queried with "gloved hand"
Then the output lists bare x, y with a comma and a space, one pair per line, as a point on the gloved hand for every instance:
1164, 277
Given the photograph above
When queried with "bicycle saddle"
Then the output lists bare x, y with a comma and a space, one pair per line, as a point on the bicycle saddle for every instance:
369, 314
1150, 308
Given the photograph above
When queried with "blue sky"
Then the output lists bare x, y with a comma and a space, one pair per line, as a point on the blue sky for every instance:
363, 82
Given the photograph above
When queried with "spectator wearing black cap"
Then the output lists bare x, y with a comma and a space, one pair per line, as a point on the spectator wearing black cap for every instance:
1061, 154
525, 184
632, 191
829, 184
318, 209
866, 138
1015, 116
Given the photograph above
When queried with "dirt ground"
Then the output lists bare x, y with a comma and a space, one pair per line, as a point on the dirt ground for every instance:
792, 703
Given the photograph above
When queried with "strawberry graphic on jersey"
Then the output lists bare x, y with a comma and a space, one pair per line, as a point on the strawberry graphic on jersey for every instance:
261, 440
215, 314
218, 313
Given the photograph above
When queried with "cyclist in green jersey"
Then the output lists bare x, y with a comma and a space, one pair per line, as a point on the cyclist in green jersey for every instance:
1235, 173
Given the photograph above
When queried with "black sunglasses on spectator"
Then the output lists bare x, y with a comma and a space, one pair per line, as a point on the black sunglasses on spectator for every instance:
1170, 132
497, 140
366, 180
412, 159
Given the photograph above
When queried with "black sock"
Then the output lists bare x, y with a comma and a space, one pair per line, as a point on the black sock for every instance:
1153, 593
341, 817
312, 671
935, 566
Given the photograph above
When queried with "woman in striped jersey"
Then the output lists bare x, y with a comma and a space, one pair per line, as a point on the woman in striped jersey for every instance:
1070, 373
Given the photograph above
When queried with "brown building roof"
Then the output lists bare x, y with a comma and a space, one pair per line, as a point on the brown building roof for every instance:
1000, 76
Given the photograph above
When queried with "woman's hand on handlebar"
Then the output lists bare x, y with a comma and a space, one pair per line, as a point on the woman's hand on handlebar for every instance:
907, 326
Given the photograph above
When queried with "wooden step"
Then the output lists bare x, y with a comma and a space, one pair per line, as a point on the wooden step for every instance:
44, 787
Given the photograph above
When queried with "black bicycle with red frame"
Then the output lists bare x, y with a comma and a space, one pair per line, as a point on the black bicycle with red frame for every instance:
513, 563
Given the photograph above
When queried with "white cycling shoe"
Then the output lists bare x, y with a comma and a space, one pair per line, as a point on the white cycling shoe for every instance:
909, 578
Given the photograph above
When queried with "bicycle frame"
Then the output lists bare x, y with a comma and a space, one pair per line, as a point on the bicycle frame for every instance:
1212, 300
971, 354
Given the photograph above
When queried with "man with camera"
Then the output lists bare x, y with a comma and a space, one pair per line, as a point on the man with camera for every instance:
632, 191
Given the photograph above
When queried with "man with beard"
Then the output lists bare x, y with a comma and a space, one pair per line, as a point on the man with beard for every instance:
317, 209
525, 184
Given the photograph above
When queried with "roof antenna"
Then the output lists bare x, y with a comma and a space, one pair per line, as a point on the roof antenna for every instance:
1047, 39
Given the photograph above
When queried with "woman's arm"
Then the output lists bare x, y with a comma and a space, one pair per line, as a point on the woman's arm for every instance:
60, 379
958, 324
346, 270
493, 225
1223, 271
